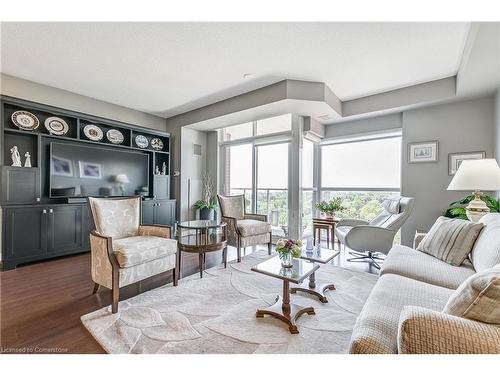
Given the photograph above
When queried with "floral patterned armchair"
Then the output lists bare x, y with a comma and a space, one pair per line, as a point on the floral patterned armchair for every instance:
243, 229
123, 251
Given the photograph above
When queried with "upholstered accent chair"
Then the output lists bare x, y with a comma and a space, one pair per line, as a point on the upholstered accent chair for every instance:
123, 251
365, 239
243, 229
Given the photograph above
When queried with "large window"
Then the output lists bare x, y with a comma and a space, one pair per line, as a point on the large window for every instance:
271, 125
363, 173
239, 131
276, 124
256, 164
307, 187
364, 164
238, 180
272, 184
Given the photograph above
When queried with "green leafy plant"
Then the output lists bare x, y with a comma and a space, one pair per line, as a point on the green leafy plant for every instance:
208, 201
332, 206
202, 204
456, 210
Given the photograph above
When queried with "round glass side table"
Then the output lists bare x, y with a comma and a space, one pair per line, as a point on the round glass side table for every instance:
201, 237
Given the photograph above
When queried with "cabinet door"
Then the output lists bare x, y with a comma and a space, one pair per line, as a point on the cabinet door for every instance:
20, 185
148, 212
165, 212
65, 228
25, 232
161, 186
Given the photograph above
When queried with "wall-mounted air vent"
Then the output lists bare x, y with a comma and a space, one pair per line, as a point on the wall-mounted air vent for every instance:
196, 149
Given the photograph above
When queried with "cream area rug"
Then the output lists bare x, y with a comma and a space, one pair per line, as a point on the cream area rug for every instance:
216, 314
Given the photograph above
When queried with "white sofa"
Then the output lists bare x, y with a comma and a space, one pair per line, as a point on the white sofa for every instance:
403, 313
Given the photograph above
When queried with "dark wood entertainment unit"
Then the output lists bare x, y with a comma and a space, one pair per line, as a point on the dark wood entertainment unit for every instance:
36, 226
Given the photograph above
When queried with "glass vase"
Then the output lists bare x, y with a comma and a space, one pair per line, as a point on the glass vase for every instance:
287, 260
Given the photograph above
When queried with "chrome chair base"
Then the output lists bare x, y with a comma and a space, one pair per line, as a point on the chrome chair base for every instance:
369, 257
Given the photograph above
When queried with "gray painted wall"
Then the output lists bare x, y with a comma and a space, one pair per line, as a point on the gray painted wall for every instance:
461, 126
497, 126
21, 88
192, 169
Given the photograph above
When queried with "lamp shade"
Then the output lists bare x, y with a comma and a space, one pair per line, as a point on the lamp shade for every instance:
121, 179
481, 174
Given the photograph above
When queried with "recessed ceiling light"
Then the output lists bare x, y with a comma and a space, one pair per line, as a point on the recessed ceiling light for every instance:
247, 75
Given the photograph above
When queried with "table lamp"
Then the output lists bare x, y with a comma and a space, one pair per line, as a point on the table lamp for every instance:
121, 179
476, 175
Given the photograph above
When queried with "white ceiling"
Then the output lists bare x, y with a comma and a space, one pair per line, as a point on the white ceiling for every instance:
169, 68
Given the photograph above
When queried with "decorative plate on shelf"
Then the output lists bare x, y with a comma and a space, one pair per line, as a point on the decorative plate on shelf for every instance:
93, 132
115, 136
157, 144
56, 125
25, 120
141, 141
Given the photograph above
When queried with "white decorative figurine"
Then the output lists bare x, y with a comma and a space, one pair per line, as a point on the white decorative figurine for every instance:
164, 169
16, 158
157, 170
27, 163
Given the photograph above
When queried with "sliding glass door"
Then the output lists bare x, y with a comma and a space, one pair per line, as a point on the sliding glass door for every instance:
255, 162
272, 185
238, 171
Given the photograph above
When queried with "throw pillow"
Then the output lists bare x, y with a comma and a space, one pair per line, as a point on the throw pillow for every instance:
486, 251
477, 298
450, 240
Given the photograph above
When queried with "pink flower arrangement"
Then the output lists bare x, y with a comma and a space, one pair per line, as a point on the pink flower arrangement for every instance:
292, 247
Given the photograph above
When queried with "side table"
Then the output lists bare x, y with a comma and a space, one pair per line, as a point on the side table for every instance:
203, 236
327, 224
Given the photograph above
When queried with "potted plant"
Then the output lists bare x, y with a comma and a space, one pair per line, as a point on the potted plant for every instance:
287, 250
331, 207
207, 204
457, 209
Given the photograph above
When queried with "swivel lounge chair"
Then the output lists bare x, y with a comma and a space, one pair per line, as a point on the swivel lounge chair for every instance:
367, 239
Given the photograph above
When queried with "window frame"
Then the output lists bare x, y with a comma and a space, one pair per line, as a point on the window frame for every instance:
357, 139
255, 141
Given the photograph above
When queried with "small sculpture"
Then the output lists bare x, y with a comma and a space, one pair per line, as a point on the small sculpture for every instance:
27, 163
164, 169
157, 170
16, 158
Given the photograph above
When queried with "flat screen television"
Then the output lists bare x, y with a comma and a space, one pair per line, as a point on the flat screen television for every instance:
83, 171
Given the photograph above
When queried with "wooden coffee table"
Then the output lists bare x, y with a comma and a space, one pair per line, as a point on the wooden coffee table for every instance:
316, 255
282, 308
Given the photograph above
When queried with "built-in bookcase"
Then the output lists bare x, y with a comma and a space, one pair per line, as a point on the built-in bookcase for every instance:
28, 140
60, 226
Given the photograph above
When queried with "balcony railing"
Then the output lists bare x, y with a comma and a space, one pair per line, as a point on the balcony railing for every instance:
272, 202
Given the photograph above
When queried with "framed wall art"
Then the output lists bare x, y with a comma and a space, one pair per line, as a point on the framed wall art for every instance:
455, 159
61, 167
90, 170
423, 152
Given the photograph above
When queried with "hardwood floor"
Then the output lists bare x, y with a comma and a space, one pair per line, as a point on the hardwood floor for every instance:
41, 303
